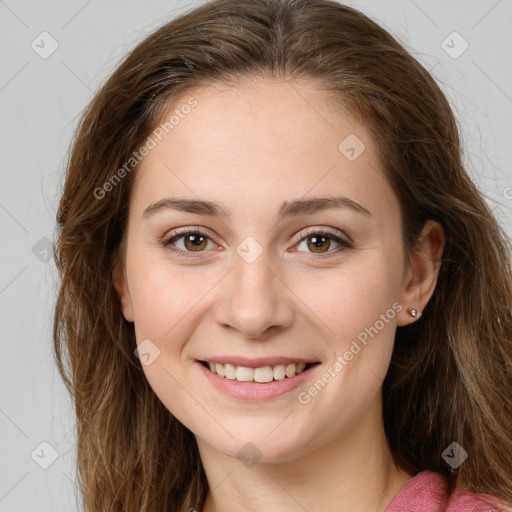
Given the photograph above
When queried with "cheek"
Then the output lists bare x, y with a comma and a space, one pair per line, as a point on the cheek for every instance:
166, 305
164, 298
347, 299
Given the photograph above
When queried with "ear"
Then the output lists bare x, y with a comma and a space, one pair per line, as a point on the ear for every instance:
421, 274
123, 292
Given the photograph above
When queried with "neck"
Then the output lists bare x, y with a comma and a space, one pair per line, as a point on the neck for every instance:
353, 472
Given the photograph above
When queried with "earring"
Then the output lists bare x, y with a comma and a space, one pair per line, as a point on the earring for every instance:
414, 312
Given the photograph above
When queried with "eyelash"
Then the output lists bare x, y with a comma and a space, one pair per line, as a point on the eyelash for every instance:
305, 233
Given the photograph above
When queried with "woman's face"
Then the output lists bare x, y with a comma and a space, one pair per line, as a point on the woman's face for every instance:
260, 280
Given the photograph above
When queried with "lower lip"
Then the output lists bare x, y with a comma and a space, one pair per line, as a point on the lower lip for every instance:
255, 390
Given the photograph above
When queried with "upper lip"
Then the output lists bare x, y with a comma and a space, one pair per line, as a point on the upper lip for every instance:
256, 362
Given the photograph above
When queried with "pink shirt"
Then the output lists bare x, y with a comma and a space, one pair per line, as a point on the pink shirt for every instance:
425, 491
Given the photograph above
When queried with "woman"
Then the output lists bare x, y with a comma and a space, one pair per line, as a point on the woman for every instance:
280, 288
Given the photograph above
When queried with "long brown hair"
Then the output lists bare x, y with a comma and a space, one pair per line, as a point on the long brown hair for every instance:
450, 377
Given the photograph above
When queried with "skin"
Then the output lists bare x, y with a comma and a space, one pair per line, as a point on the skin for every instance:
252, 146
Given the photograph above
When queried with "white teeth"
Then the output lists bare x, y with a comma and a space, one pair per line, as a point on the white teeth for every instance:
230, 371
290, 370
243, 374
279, 372
220, 369
261, 374
264, 374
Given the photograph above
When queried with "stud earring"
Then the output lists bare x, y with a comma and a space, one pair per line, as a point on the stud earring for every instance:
414, 312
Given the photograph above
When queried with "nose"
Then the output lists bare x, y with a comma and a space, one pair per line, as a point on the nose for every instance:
254, 300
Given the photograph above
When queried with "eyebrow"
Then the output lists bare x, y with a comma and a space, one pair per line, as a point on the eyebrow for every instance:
287, 209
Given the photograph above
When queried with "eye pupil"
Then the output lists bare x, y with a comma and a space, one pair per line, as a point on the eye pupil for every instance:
197, 241
317, 242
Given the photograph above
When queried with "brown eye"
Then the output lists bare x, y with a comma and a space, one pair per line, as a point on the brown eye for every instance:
318, 243
194, 242
184, 243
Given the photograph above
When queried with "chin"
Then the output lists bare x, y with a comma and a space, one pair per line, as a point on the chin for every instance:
256, 446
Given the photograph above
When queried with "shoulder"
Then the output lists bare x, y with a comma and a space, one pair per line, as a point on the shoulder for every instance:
426, 493
471, 502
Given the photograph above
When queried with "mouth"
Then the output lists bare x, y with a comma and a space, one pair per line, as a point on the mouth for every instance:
257, 383
261, 374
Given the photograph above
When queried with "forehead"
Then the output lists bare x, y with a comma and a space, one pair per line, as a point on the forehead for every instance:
259, 142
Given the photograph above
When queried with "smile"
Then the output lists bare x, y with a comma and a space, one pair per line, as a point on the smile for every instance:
259, 383
261, 374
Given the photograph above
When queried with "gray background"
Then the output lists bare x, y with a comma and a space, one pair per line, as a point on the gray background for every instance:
40, 99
